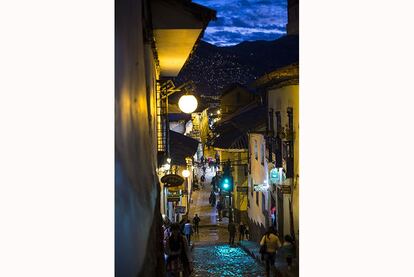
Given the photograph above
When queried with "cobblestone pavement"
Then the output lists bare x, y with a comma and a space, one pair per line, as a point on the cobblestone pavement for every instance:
211, 253
211, 235
223, 260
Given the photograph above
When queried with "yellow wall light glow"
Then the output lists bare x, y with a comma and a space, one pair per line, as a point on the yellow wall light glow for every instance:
186, 173
188, 103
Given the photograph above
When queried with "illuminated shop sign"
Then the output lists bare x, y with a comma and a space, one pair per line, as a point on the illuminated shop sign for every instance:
172, 180
277, 176
261, 187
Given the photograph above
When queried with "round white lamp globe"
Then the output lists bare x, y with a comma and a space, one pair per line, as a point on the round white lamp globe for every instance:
186, 173
188, 103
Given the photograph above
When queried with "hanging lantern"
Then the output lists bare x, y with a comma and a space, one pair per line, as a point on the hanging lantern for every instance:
188, 103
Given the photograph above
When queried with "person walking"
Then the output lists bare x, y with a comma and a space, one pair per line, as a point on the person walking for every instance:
214, 182
202, 180
196, 221
210, 199
232, 232
219, 209
217, 161
269, 244
179, 260
188, 230
247, 233
242, 229
288, 250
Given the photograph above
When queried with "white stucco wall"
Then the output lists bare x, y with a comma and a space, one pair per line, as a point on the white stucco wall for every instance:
258, 175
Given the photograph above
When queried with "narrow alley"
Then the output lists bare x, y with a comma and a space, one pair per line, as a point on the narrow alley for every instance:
186, 107
212, 254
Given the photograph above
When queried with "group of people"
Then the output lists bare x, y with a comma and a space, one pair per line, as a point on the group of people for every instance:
213, 164
177, 241
270, 245
243, 232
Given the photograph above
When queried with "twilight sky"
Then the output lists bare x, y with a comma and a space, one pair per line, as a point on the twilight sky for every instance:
240, 20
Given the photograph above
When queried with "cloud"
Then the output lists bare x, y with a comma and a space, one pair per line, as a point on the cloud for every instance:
239, 20
233, 35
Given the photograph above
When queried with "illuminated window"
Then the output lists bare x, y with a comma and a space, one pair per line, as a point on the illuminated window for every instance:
262, 153
255, 150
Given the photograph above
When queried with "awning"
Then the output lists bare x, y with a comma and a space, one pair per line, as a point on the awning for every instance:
232, 132
181, 147
177, 25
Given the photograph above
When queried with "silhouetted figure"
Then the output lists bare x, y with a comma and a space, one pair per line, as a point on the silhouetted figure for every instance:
219, 209
179, 258
232, 232
288, 250
196, 221
242, 229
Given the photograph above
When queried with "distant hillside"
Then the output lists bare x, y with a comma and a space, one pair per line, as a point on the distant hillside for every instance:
213, 68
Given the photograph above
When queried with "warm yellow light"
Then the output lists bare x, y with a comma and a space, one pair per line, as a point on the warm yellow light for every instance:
218, 112
188, 103
186, 173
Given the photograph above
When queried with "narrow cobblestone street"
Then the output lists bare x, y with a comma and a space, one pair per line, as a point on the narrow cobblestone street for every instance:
223, 260
212, 254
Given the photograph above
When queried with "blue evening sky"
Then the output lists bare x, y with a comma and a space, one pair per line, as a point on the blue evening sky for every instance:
241, 20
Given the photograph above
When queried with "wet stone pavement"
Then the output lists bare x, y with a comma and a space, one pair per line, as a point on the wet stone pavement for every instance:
211, 252
223, 260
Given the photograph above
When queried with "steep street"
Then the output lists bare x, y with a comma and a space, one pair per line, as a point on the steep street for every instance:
212, 254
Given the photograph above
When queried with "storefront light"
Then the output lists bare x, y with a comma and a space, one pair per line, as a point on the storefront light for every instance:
186, 173
167, 166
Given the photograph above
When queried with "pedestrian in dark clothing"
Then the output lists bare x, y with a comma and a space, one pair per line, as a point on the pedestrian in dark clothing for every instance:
196, 221
210, 199
288, 250
181, 224
211, 165
242, 229
247, 233
232, 232
219, 209
179, 258
217, 160
213, 200
213, 183
202, 180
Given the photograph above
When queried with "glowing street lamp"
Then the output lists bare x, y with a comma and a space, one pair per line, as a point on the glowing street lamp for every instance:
188, 103
186, 173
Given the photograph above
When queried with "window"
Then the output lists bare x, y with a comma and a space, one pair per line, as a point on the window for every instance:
263, 202
262, 153
255, 150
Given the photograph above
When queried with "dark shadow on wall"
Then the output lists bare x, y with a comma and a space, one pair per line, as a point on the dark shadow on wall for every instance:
154, 264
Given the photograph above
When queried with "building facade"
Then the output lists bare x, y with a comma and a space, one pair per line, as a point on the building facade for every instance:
146, 51
282, 91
